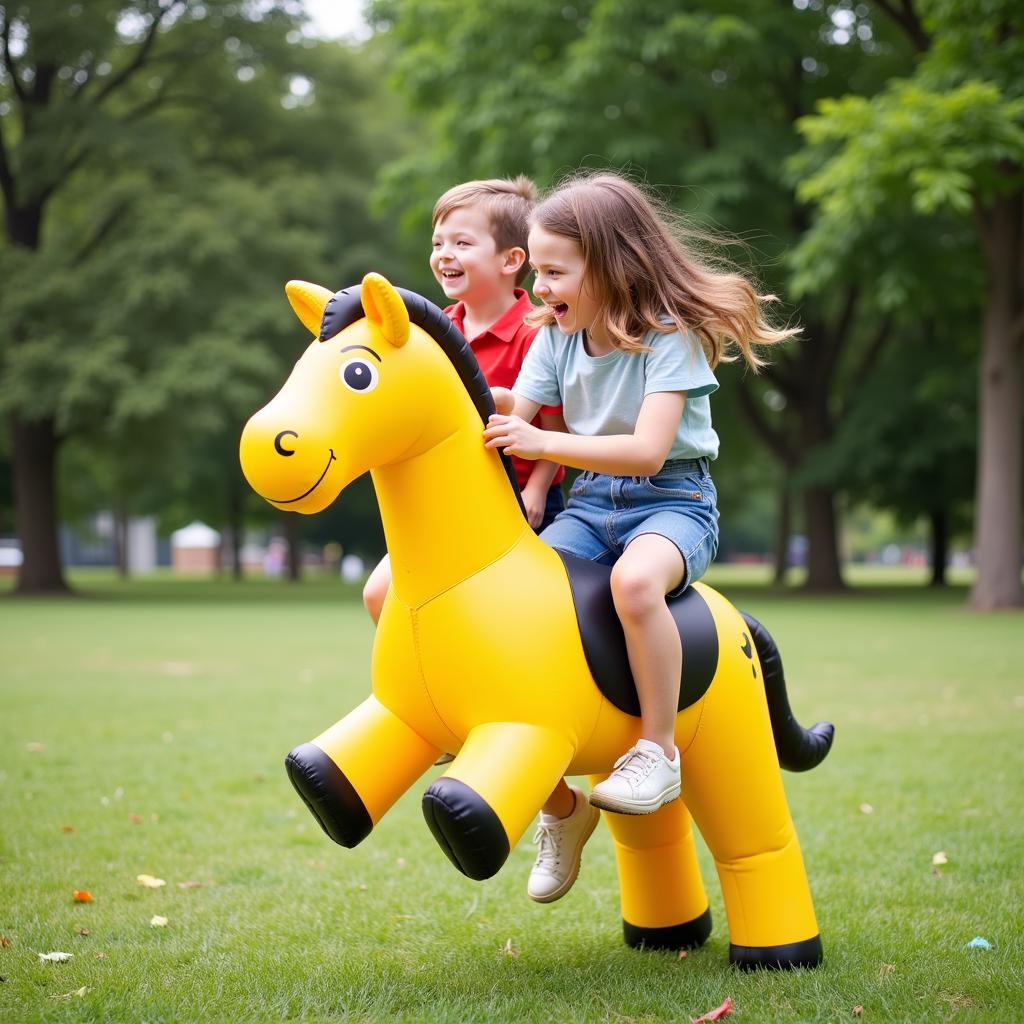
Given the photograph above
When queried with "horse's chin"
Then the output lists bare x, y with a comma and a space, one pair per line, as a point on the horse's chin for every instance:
315, 502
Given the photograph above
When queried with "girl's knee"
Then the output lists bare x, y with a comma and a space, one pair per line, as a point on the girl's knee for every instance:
635, 593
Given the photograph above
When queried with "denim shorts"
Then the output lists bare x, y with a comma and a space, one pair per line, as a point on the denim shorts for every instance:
605, 513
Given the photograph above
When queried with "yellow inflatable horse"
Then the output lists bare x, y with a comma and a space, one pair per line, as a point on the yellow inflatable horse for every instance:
493, 645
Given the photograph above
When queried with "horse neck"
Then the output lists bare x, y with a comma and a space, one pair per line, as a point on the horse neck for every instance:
447, 513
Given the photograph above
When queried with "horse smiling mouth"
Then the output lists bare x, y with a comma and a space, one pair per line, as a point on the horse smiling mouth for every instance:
305, 494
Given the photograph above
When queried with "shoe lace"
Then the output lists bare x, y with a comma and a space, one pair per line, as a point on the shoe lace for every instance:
635, 764
547, 838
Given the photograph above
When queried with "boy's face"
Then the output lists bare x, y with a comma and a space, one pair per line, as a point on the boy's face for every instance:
465, 258
561, 281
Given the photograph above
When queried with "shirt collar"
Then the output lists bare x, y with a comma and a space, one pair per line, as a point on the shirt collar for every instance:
507, 325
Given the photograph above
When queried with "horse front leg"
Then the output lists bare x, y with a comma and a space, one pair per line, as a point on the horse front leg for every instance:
342, 777
664, 905
492, 791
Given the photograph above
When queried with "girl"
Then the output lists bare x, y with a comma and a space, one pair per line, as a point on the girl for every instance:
632, 326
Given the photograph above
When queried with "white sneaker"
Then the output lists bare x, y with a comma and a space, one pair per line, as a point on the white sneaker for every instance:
561, 843
642, 780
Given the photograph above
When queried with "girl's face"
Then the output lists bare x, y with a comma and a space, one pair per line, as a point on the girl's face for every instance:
561, 281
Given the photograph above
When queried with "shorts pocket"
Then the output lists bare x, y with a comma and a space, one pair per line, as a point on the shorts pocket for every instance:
679, 488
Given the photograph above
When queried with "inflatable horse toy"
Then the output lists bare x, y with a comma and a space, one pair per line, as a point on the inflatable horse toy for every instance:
493, 645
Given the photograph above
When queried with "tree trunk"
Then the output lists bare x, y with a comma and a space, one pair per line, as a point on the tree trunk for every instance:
34, 448
121, 538
291, 533
234, 532
783, 530
997, 524
939, 522
823, 571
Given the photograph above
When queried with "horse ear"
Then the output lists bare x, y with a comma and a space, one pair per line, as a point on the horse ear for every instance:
384, 306
308, 301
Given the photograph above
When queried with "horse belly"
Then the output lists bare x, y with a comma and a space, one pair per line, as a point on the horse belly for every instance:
503, 646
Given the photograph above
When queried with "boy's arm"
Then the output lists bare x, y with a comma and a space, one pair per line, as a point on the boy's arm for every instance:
510, 404
641, 453
535, 493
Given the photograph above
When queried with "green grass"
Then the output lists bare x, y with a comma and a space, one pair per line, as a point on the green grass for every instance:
164, 708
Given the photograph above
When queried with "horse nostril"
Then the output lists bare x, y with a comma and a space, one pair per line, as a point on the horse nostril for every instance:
277, 443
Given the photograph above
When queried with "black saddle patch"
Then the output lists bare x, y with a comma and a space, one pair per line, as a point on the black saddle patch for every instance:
605, 646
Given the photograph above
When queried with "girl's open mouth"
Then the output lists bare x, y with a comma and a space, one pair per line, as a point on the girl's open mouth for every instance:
559, 309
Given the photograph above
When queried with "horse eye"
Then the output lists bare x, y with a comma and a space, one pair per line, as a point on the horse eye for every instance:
359, 376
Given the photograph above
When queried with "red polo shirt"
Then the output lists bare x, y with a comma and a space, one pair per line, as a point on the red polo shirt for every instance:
500, 350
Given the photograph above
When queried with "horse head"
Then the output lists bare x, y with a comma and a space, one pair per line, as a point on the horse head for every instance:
355, 400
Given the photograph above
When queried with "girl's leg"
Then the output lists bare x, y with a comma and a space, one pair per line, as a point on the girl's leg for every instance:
648, 775
376, 588
649, 568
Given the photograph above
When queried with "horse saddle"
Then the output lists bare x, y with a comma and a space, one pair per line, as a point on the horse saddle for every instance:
605, 646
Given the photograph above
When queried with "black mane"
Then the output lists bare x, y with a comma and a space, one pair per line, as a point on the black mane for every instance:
344, 308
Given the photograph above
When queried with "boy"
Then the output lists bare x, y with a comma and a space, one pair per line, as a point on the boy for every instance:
479, 259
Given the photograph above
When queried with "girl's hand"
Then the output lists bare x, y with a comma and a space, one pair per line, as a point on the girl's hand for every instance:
515, 436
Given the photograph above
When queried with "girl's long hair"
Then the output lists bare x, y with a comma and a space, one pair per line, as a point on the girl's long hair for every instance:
644, 265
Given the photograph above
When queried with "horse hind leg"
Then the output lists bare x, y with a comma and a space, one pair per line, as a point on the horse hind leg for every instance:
732, 785
664, 904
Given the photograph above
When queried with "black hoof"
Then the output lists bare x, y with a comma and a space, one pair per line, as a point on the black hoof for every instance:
688, 935
328, 795
466, 828
777, 958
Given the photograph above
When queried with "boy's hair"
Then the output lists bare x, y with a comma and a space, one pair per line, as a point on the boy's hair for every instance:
641, 270
507, 203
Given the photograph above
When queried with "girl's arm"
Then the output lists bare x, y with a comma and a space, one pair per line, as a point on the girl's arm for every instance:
641, 453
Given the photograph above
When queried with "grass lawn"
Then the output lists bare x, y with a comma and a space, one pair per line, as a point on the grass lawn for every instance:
143, 728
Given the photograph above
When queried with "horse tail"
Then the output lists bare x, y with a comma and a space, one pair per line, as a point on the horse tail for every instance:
799, 749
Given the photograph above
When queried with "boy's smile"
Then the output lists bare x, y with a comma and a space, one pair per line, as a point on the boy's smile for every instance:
465, 258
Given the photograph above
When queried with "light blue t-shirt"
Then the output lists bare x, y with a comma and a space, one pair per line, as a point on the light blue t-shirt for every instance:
602, 395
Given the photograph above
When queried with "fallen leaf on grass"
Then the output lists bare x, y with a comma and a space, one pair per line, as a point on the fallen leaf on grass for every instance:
82, 896
866, 809
80, 993
858, 1011
716, 1014
84, 932
150, 882
4, 942
67, 828
886, 969
190, 885
56, 957
35, 748
940, 858
100, 956
156, 921
135, 819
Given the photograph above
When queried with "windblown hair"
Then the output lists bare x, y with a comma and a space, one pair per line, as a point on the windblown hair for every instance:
507, 203
644, 265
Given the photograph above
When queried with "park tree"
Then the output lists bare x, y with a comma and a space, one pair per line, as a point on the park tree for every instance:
943, 146
708, 97
165, 165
